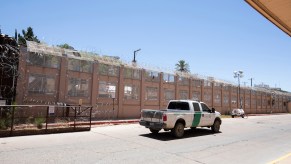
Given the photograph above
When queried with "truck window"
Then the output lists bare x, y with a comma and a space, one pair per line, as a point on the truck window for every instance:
196, 107
179, 105
205, 108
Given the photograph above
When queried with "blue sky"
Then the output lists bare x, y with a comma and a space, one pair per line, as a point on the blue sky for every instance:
214, 37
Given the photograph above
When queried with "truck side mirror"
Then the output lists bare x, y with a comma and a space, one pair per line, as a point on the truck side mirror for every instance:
213, 110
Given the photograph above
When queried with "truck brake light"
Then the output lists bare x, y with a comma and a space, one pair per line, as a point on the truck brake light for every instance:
165, 117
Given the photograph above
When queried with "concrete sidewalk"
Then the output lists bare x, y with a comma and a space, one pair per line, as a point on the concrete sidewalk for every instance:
114, 122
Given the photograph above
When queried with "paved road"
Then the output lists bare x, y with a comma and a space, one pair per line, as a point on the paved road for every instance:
257, 139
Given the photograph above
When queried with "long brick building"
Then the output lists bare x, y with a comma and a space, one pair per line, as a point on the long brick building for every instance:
51, 75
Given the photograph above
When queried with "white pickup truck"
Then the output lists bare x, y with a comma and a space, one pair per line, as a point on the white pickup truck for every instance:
181, 114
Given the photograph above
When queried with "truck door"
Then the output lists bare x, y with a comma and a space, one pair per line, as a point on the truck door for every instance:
197, 115
206, 117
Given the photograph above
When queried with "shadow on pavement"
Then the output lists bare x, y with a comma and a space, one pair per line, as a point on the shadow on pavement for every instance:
167, 136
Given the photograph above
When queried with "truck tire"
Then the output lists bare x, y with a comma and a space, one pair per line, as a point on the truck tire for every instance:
216, 126
178, 130
154, 131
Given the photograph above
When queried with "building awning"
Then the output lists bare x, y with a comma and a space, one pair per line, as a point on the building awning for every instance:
276, 11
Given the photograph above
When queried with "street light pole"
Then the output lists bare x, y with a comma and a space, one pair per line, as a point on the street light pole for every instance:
238, 75
251, 81
134, 52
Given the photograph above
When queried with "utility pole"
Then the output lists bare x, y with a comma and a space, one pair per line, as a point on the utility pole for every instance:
251, 81
238, 75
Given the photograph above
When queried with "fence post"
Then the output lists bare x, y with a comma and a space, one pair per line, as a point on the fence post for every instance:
12, 120
75, 118
46, 118
90, 116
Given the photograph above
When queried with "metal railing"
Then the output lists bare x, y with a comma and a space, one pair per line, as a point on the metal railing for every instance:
17, 120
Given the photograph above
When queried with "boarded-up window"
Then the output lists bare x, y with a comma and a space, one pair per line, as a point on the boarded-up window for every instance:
79, 65
132, 73
168, 78
151, 93
197, 83
41, 84
44, 60
196, 95
169, 94
183, 81
78, 87
184, 94
131, 92
152, 76
109, 70
107, 89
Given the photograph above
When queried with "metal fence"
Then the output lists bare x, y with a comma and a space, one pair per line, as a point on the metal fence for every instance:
18, 120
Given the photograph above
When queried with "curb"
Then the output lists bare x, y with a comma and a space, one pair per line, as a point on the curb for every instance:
115, 122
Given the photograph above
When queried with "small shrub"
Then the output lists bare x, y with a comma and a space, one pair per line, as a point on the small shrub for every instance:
38, 122
2, 124
30, 120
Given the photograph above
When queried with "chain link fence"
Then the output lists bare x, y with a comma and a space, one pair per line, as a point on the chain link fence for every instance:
18, 120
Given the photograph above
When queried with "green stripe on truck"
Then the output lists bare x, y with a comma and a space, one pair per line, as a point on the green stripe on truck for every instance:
196, 120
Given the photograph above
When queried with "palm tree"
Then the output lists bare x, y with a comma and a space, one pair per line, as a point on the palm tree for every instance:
182, 66
27, 35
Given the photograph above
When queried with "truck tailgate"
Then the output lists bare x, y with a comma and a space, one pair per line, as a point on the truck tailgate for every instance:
152, 115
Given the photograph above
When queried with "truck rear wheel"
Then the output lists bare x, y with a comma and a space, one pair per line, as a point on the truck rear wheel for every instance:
154, 131
178, 130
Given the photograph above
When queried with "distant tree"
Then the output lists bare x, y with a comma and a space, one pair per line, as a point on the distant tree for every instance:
27, 35
66, 46
182, 66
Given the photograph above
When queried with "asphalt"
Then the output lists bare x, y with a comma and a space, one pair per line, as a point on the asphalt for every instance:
286, 159
130, 121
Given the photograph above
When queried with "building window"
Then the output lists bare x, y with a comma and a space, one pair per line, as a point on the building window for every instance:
233, 99
254, 103
132, 73
168, 78
207, 97
196, 95
217, 98
247, 102
79, 65
169, 94
197, 83
109, 70
217, 85
107, 89
43, 60
207, 83
152, 76
225, 87
184, 94
151, 93
225, 99
183, 81
131, 92
259, 102
78, 87
41, 84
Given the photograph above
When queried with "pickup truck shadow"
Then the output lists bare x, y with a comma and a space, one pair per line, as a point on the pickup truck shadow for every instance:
167, 136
